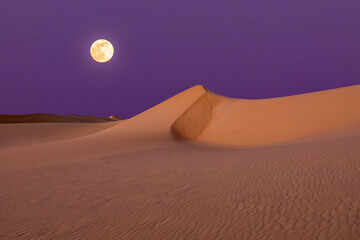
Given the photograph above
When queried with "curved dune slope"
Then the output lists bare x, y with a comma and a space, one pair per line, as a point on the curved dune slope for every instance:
143, 129
25, 134
194, 120
165, 114
32, 129
238, 122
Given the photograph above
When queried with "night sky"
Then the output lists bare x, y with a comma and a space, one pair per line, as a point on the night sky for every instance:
244, 49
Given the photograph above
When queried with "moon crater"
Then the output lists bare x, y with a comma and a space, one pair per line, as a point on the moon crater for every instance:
102, 50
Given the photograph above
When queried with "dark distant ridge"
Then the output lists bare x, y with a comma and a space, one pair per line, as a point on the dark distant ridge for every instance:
116, 117
52, 118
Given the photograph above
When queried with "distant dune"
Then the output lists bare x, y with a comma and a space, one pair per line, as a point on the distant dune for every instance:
196, 166
47, 118
115, 117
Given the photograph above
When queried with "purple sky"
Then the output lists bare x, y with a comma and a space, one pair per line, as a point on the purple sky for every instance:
242, 49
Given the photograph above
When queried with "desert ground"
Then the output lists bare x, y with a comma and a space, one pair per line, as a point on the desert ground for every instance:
196, 166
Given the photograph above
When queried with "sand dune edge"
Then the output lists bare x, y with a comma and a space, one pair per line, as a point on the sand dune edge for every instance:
219, 120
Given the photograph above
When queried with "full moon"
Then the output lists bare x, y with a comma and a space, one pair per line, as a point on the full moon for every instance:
101, 50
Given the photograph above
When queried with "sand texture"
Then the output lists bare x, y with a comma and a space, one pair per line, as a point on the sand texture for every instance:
196, 166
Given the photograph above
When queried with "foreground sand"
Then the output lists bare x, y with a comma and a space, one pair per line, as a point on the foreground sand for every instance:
135, 179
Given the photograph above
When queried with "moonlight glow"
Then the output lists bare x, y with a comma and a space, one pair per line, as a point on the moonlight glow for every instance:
101, 50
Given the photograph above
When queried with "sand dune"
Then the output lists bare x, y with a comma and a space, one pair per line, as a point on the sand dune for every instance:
116, 117
25, 134
134, 179
238, 122
32, 129
142, 129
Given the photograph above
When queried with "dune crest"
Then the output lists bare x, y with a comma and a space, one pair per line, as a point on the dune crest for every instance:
239, 122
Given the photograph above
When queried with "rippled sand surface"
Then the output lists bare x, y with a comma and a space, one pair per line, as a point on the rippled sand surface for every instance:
135, 179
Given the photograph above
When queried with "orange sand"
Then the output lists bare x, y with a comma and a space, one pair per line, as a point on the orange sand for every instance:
197, 166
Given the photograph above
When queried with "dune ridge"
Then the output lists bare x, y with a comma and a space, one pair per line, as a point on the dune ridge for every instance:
153, 123
240, 122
